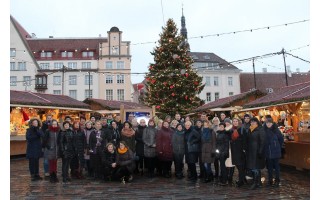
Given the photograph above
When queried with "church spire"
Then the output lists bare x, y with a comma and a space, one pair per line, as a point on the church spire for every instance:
183, 30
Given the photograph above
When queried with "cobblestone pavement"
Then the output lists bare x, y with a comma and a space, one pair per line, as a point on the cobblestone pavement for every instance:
294, 185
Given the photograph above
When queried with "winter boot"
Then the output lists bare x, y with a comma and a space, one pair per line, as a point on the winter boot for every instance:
276, 183
259, 179
255, 182
55, 178
52, 177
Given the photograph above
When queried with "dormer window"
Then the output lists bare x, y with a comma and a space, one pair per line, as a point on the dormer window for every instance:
67, 54
86, 54
46, 54
195, 57
206, 57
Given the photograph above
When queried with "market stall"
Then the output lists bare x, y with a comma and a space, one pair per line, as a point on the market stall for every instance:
26, 105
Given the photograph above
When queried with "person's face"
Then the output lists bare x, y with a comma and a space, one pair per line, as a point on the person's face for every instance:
247, 119
160, 124
269, 124
122, 146
166, 124
117, 118
222, 115
203, 117
49, 118
110, 148
82, 120
109, 116
88, 125
104, 121
131, 117
227, 123
177, 117
168, 119
179, 128
92, 119
174, 124
253, 123
205, 125
66, 126
187, 125
199, 124
187, 119
151, 123
54, 124
215, 122
221, 127
98, 126
35, 123
114, 125
142, 122
235, 122
76, 125
126, 125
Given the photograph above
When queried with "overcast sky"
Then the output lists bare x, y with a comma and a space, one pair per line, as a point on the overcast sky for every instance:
141, 21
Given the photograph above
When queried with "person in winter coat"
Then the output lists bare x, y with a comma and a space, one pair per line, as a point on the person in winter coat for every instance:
173, 124
215, 127
44, 128
34, 147
140, 146
114, 134
178, 145
128, 135
68, 149
255, 159
125, 162
222, 151
198, 127
51, 144
78, 162
274, 141
230, 167
108, 159
238, 147
149, 140
193, 142
208, 148
87, 132
164, 148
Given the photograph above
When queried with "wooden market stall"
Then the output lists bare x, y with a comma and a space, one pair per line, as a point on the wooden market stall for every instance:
26, 105
290, 108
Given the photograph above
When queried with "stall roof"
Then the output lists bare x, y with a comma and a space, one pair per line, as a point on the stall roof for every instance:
227, 101
32, 99
292, 93
115, 105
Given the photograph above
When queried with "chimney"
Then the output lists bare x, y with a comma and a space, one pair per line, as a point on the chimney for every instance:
50, 36
298, 70
264, 70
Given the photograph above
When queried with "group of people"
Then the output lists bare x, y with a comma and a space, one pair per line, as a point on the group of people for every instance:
110, 150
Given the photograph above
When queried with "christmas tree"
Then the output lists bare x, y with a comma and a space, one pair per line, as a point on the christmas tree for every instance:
172, 85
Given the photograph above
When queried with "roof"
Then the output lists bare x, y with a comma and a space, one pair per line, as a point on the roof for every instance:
270, 80
40, 99
115, 105
212, 58
20, 29
114, 29
228, 101
297, 92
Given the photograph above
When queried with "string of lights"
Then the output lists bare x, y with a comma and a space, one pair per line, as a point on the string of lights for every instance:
269, 65
298, 48
297, 57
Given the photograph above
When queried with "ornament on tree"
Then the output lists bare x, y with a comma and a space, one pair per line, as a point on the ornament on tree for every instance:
186, 97
157, 107
164, 83
173, 94
175, 56
196, 83
153, 81
187, 74
171, 86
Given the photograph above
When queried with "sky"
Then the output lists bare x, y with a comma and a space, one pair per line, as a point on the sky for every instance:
141, 21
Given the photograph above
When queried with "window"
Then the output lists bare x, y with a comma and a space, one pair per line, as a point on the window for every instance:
109, 95
46, 54
88, 80
22, 66
58, 92
215, 81
230, 81
115, 51
208, 81
86, 65
67, 54
120, 65
88, 93
12, 52
12, 66
86, 54
27, 80
72, 65
13, 80
120, 78
44, 65
73, 94
216, 96
208, 96
72, 80
206, 57
230, 93
108, 64
58, 65
120, 94
109, 79
56, 80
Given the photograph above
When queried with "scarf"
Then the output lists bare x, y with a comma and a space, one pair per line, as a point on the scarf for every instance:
122, 151
206, 133
235, 133
127, 132
253, 127
54, 129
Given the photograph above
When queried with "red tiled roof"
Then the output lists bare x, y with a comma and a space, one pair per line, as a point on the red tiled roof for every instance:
290, 93
115, 105
40, 99
227, 101
270, 80
21, 30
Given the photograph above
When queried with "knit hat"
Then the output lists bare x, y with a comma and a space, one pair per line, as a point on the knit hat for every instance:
227, 120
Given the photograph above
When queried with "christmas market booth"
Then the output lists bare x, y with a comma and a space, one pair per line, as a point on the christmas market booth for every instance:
122, 108
290, 108
229, 104
26, 105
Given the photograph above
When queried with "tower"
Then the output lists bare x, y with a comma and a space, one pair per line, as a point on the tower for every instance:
183, 31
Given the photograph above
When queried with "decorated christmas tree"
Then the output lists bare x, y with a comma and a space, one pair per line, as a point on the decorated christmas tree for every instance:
172, 85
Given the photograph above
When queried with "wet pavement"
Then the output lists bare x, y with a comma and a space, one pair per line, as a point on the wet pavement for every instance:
294, 185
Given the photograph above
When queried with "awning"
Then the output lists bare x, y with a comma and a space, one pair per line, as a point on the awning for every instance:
226, 109
249, 109
51, 107
107, 111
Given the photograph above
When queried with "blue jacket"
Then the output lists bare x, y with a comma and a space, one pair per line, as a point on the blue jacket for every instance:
274, 141
34, 147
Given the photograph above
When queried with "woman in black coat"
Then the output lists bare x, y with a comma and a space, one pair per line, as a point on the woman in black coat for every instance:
238, 146
178, 150
255, 159
140, 146
78, 162
125, 162
34, 147
108, 159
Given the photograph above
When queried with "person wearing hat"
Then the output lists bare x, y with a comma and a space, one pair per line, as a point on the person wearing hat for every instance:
274, 141
255, 160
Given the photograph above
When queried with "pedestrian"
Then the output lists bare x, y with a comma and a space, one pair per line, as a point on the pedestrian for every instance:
159, 124
117, 119
274, 141
255, 152
78, 161
82, 122
128, 135
114, 134
44, 128
168, 119
87, 132
125, 162
222, 151
177, 117
93, 120
108, 159
215, 127
230, 167
222, 116
34, 147
149, 140
238, 147
173, 124
140, 146
208, 148
50, 143
67, 148
164, 148
178, 145
130, 117
193, 141
198, 127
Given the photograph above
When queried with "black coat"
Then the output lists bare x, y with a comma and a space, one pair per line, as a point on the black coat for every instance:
178, 143
79, 141
222, 144
238, 147
139, 141
126, 160
192, 141
255, 149
34, 147
67, 143
274, 141
113, 136
97, 144
108, 158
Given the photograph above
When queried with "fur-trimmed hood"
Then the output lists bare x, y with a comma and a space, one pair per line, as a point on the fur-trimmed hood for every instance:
35, 118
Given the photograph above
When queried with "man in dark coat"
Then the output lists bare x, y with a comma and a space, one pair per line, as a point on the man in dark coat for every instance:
140, 146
